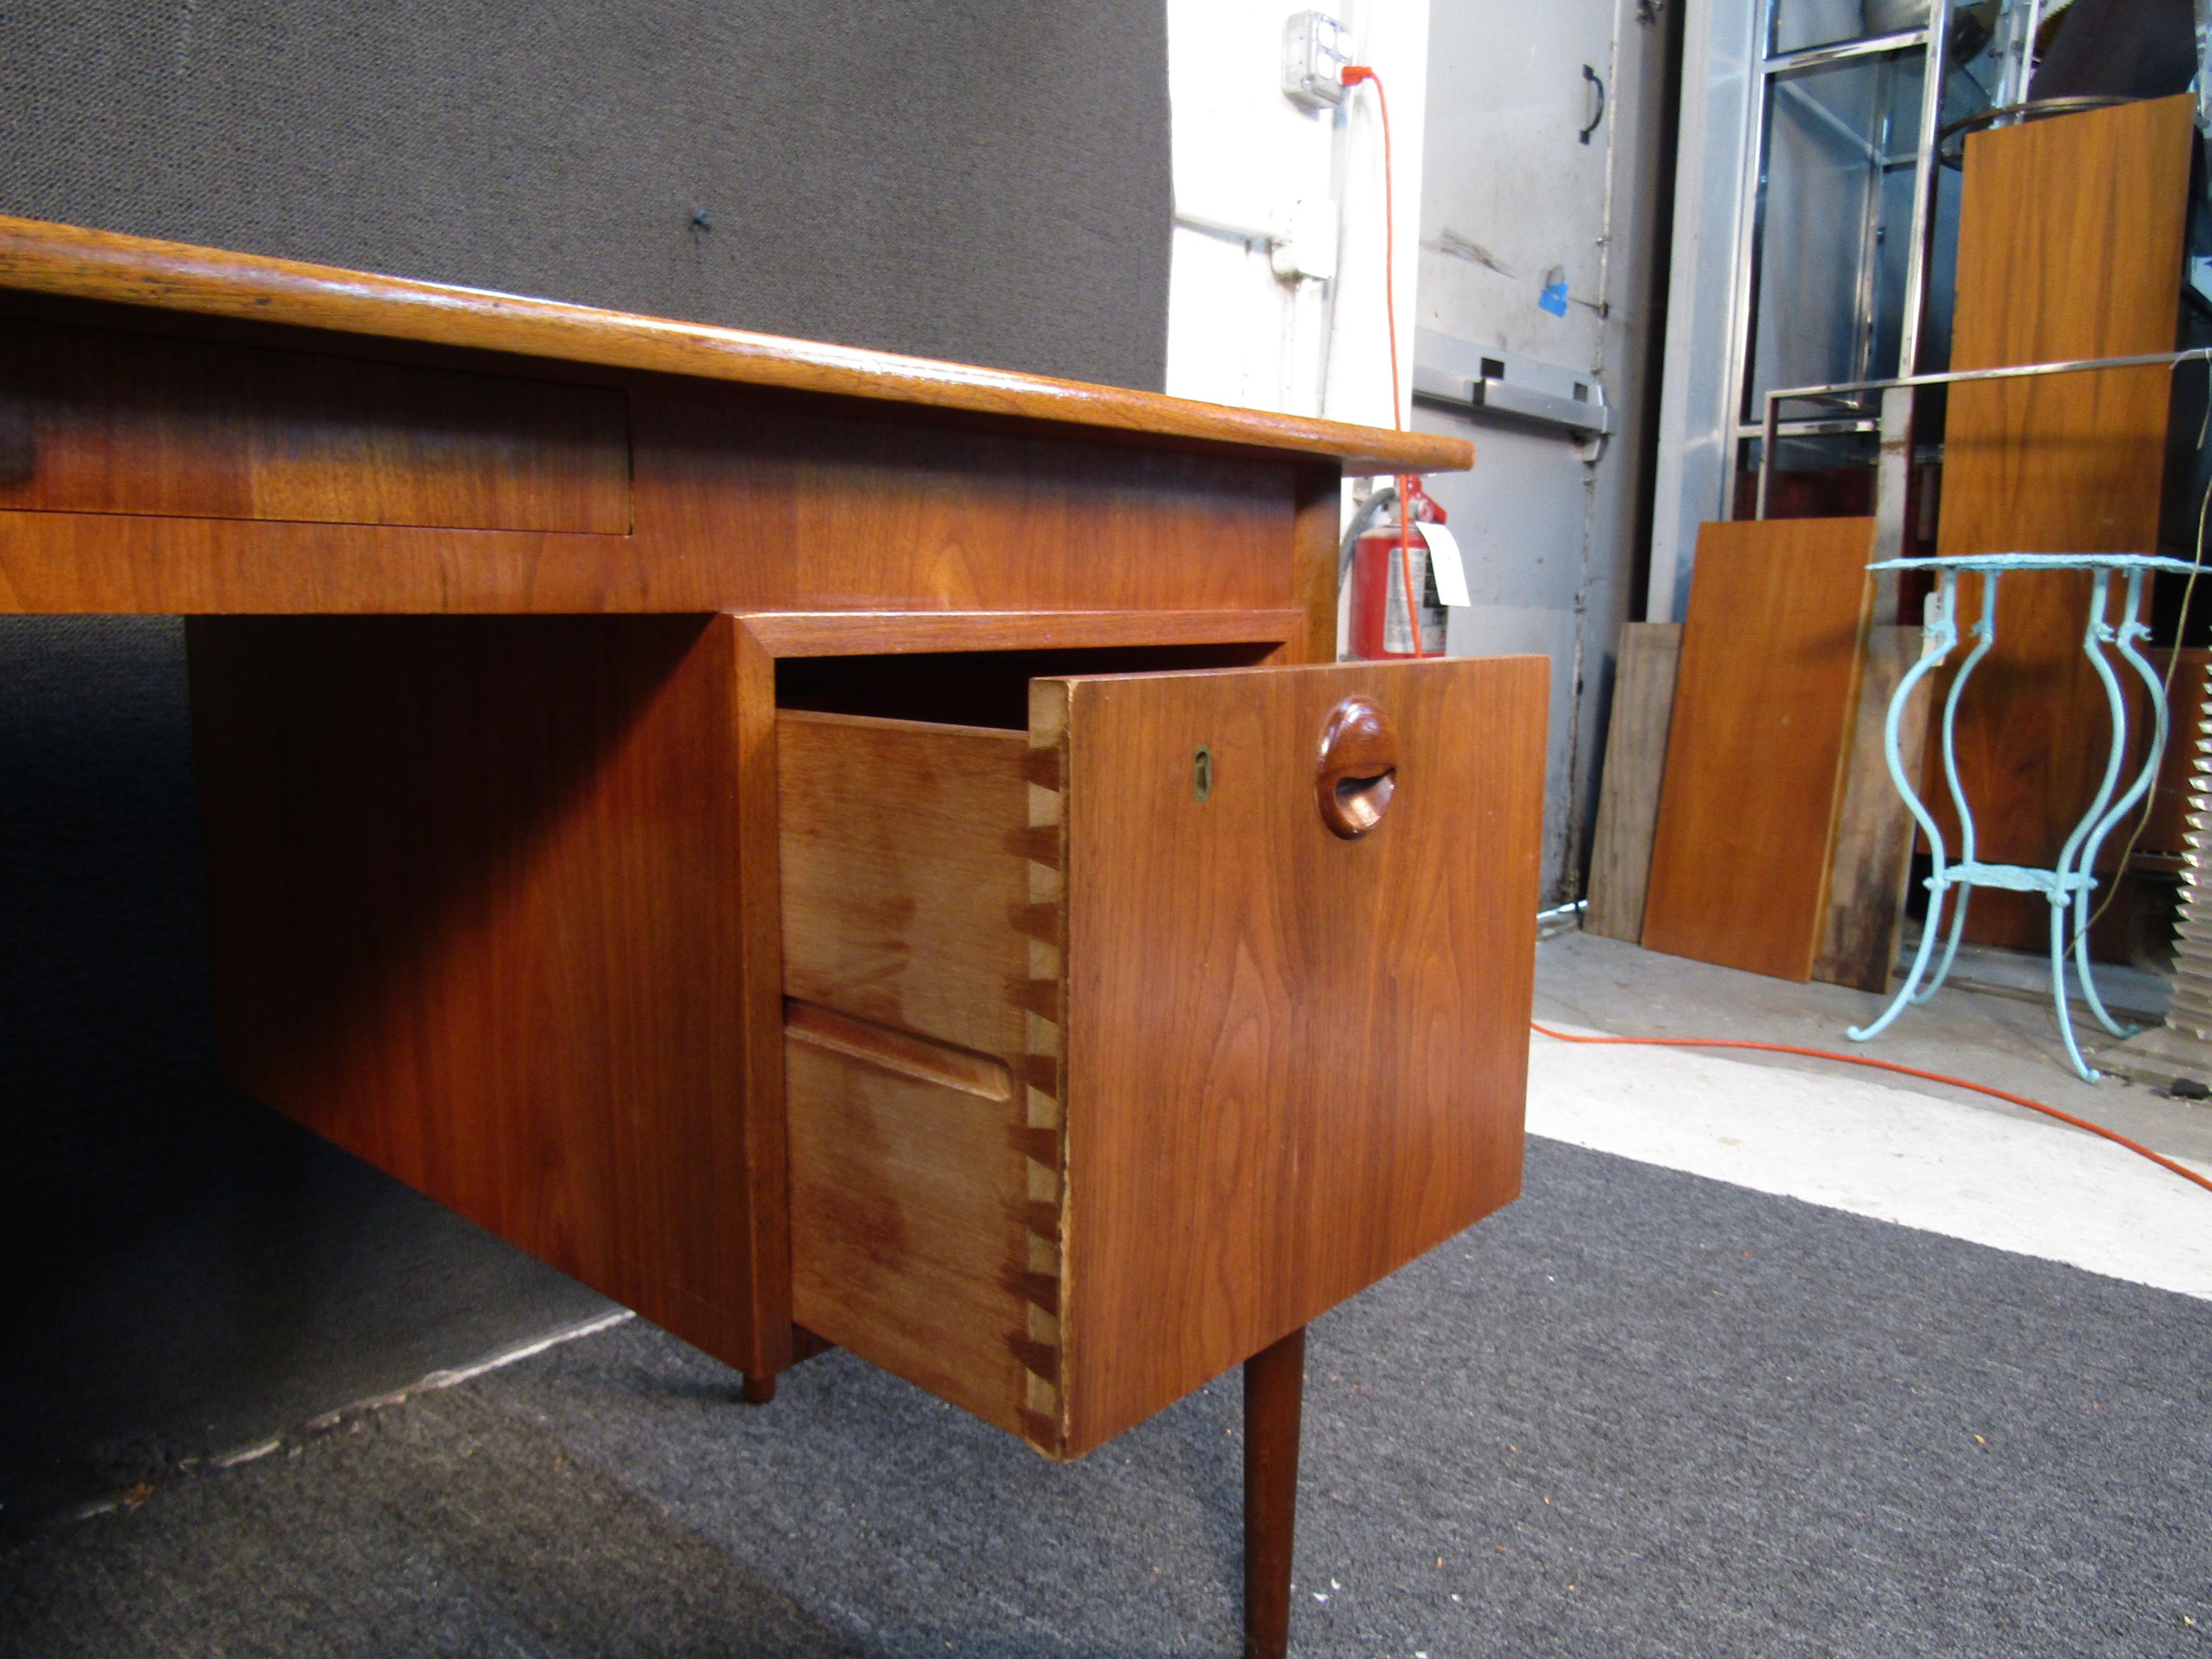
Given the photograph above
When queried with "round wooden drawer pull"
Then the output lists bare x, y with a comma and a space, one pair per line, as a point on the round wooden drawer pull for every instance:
1358, 770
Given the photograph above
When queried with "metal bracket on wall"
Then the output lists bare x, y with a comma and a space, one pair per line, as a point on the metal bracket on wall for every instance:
1455, 375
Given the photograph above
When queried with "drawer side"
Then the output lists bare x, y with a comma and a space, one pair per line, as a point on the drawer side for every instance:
921, 896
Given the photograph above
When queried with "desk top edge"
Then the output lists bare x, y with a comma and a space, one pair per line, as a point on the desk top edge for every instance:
45, 257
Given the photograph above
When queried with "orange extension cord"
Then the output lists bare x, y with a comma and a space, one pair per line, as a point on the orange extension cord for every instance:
2163, 1162
1354, 75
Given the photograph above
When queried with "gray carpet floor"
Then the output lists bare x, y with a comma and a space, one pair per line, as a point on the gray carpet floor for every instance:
1639, 1413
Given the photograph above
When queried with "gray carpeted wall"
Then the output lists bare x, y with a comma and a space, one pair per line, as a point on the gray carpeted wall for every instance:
977, 180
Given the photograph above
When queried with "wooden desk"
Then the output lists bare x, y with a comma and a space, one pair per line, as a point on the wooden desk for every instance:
735, 818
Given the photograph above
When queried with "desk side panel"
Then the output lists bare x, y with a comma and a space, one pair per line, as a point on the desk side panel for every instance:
477, 888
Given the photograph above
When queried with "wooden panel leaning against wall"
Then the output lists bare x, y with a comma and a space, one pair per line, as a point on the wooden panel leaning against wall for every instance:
1873, 834
1772, 656
1635, 765
1872, 864
2069, 246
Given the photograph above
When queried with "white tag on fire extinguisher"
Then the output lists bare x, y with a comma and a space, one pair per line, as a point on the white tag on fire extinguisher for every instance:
1444, 561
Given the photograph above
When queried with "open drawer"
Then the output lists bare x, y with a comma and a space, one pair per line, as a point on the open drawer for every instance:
1119, 1048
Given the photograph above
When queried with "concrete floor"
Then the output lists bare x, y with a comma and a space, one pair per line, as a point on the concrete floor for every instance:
1873, 1143
2004, 1038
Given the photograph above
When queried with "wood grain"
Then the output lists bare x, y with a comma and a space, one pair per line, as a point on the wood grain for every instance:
1764, 706
829, 506
900, 1053
102, 421
905, 893
762, 1129
926, 1146
741, 501
1292, 1062
1317, 541
479, 905
2069, 245
907, 1218
1191, 1157
1875, 833
1635, 765
66, 259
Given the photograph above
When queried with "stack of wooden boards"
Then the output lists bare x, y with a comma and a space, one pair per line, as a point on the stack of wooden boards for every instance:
1762, 831
1745, 775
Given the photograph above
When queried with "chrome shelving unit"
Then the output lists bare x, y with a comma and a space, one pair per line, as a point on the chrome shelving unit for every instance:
1841, 167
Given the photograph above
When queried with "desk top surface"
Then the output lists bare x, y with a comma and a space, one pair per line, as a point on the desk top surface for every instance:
43, 257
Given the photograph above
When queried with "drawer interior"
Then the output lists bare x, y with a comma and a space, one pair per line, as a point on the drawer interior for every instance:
977, 687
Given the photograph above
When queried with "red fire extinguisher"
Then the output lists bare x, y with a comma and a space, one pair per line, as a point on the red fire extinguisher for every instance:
1378, 578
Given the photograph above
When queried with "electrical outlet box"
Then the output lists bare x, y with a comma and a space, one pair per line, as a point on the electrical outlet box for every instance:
1315, 49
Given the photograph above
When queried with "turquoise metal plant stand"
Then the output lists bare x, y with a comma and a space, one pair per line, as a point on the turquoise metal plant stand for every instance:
2069, 886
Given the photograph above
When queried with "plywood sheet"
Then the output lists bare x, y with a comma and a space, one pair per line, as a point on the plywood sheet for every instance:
1764, 704
1635, 764
2069, 246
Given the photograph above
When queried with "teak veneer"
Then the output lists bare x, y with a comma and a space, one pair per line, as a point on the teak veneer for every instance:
1759, 743
2070, 245
822, 846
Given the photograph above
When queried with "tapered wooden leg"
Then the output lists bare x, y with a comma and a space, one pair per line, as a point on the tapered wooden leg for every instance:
1274, 1392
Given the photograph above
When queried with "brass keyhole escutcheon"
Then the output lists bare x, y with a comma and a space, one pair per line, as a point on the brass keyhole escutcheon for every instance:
1201, 773
1357, 773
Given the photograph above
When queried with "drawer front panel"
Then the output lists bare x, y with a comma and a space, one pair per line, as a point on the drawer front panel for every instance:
101, 420
1295, 1060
